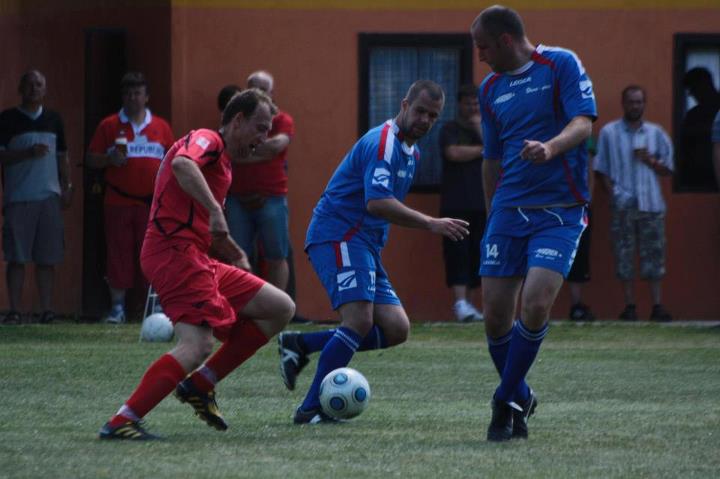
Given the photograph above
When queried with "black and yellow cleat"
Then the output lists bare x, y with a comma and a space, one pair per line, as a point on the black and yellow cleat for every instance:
129, 431
203, 403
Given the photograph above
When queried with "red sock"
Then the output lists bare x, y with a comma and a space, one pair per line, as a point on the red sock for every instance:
244, 340
159, 380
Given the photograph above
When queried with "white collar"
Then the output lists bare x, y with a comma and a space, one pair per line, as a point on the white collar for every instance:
136, 128
31, 115
407, 149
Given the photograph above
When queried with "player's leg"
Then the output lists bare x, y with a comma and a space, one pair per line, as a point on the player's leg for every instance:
356, 322
161, 378
255, 312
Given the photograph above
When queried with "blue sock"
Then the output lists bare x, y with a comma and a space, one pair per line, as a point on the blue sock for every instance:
498, 348
314, 342
337, 353
524, 346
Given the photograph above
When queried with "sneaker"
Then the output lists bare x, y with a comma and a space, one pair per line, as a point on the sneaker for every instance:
203, 403
314, 416
660, 314
501, 424
131, 430
292, 358
520, 418
629, 313
116, 315
581, 312
47, 317
466, 312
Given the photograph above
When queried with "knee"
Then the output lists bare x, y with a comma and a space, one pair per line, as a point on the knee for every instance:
397, 331
287, 310
535, 309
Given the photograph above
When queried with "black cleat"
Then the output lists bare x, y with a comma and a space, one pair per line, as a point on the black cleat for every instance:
629, 313
520, 418
314, 416
129, 431
292, 358
203, 403
501, 424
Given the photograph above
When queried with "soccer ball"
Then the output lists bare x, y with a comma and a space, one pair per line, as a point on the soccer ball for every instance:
156, 328
344, 393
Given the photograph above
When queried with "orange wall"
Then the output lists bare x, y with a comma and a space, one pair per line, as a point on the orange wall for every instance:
189, 55
313, 55
52, 40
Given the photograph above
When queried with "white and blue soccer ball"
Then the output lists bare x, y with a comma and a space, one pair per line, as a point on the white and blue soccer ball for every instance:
156, 327
344, 393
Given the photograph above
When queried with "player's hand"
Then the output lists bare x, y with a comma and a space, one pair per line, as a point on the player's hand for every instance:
453, 228
38, 150
536, 151
117, 158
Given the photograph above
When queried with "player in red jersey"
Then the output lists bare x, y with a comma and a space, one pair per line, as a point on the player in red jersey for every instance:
199, 272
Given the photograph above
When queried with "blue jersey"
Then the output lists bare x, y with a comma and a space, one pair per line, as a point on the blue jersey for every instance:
380, 165
536, 102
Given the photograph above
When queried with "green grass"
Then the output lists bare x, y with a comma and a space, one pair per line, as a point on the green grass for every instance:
616, 400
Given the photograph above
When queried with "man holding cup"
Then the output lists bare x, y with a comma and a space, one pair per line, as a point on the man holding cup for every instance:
129, 146
631, 156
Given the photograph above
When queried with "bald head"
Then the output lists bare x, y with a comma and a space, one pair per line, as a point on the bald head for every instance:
496, 20
261, 80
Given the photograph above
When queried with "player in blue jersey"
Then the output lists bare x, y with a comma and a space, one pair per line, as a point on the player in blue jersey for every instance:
347, 231
538, 107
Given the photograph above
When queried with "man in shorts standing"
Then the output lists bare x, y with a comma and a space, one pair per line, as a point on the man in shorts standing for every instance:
203, 296
537, 112
36, 185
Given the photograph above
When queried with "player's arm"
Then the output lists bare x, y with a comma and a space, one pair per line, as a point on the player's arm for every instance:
576, 132
192, 182
269, 149
490, 175
393, 211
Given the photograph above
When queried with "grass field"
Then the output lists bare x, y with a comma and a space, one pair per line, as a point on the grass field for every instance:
616, 400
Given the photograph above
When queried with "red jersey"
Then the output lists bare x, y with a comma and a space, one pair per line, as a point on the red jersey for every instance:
175, 216
132, 183
267, 178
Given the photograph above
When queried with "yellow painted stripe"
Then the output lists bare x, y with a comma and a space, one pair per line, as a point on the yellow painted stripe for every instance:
448, 4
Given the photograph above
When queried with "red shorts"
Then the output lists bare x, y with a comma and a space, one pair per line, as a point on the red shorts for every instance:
196, 289
124, 232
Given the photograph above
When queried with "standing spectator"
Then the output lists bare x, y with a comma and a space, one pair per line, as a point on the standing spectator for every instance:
36, 184
201, 274
257, 204
695, 164
538, 107
347, 232
461, 196
580, 272
264, 83
129, 145
716, 147
632, 154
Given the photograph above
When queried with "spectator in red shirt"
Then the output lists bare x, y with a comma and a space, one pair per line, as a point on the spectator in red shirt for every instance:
200, 273
129, 145
257, 204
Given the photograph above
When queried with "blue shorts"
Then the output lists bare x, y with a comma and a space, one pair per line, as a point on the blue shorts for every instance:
268, 223
517, 239
351, 271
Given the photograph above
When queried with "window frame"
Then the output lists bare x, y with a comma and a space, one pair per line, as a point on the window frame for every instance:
368, 41
682, 43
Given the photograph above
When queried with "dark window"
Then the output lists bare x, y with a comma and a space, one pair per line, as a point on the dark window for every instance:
390, 63
696, 85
